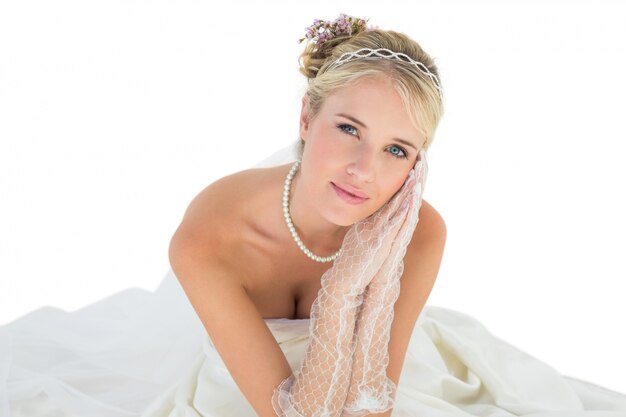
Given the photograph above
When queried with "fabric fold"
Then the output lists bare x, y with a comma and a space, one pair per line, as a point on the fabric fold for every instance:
454, 366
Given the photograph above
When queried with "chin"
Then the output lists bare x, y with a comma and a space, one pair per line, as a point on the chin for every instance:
340, 217
343, 214
347, 217
347, 223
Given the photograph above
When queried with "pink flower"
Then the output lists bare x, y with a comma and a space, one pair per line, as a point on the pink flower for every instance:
321, 31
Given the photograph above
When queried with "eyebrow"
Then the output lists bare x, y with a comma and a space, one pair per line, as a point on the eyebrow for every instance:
357, 121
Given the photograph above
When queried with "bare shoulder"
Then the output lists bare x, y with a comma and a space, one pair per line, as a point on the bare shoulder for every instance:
428, 241
216, 211
430, 227
217, 294
219, 197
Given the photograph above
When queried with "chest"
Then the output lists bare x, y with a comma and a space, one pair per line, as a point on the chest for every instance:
283, 287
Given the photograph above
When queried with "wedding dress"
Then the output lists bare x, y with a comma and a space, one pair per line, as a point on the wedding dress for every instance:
143, 353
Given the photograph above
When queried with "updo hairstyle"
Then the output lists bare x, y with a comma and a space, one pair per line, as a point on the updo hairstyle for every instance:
418, 92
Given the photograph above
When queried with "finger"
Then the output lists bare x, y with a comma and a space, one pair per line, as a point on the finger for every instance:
392, 206
398, 206
401, 213
421, 171
415, 202
421, 166
421, 157
405, 191
409, 183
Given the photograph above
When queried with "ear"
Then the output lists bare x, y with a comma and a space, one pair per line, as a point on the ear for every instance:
304, 118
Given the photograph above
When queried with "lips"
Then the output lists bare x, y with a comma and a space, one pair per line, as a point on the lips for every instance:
348, 197
351, 190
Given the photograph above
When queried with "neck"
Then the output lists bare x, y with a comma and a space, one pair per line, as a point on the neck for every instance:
319, 235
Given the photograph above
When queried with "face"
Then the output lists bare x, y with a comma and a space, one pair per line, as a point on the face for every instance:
362, 139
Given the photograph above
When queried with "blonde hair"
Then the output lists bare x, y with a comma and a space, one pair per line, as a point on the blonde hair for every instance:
419, 94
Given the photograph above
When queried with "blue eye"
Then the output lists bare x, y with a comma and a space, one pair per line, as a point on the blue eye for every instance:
341, 126
394, 150
403, 155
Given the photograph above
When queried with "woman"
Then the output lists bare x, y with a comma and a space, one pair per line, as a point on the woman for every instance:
309, 280
366, 120
233, 251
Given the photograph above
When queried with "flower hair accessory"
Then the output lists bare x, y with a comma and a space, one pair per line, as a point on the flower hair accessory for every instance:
321, 31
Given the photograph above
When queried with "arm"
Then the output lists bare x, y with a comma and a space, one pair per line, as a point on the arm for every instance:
421, 267
371, 390
251, 354
320, 385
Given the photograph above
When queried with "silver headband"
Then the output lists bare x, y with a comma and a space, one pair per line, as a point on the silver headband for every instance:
368, 53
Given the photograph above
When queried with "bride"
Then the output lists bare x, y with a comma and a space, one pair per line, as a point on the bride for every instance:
298, 287
252, 243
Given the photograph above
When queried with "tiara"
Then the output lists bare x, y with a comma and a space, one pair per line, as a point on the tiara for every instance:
384, 53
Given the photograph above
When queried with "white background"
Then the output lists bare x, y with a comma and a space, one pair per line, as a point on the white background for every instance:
115, 114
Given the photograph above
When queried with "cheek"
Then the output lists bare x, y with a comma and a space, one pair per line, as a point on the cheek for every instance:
325, 148
320, 150
392, 188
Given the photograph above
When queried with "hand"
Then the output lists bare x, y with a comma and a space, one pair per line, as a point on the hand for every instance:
386, 274
371, 391
368, 242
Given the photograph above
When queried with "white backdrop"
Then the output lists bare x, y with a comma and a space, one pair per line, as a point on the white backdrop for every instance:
115, 114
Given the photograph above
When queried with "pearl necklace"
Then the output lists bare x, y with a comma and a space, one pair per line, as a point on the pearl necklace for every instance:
290, 225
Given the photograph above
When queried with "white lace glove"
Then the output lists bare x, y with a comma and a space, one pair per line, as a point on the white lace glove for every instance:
371, 391
320, 386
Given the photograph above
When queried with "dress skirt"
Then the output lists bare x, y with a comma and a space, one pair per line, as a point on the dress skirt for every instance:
143, 353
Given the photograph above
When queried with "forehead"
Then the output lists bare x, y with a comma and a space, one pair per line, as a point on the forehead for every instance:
374, 101
366, 86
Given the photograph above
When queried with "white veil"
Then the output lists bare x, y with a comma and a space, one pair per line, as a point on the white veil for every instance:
281, 156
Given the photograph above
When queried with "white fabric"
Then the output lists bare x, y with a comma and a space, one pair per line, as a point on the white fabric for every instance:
143, 353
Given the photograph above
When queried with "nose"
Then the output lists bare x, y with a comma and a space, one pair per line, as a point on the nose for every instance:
362, 167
